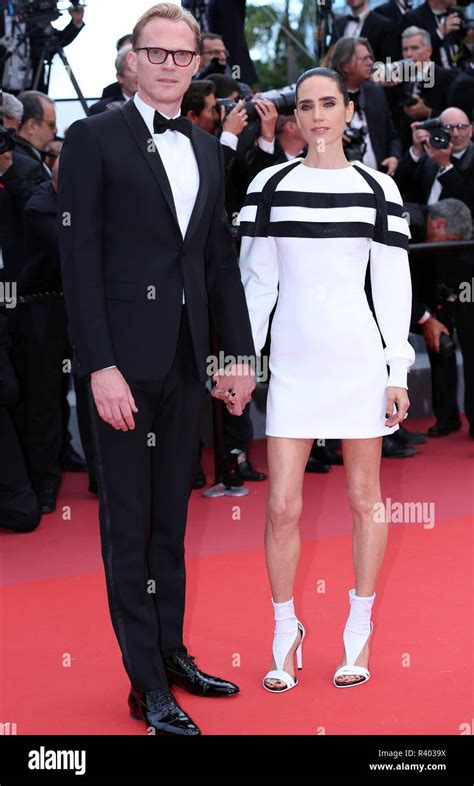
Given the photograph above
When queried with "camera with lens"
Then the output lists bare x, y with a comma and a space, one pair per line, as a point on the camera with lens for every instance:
34, 10
284, 100
355, 149
465, 24
439, 137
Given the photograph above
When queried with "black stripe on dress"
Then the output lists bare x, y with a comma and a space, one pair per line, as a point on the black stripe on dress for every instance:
310, 229
323, 200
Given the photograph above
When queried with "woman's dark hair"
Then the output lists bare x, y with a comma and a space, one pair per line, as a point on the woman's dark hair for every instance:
330, 74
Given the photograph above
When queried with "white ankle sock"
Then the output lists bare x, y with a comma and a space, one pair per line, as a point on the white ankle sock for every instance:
357, 628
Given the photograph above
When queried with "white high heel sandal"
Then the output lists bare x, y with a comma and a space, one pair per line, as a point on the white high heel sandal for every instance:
286, 630
356, 633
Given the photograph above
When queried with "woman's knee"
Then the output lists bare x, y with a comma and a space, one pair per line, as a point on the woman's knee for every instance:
362, 499
284, 512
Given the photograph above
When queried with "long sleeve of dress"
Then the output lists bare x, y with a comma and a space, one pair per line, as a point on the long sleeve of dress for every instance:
258, 266
391, 288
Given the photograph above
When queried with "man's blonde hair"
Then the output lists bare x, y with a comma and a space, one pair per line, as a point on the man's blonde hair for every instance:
167, 11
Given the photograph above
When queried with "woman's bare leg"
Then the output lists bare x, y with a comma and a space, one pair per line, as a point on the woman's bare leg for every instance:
287, 460
369, 534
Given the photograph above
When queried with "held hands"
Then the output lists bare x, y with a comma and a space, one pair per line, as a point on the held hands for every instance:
234, 386
397, 397
113, 398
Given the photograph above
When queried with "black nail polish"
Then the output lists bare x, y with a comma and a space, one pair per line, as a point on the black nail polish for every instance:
387, 415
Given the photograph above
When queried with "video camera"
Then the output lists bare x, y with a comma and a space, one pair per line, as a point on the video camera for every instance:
37, 11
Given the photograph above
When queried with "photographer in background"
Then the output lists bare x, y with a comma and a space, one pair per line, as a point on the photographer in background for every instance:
126, 79
371, 136
426, 94
444, 26
427, 173
442, 281
18, 69
214, 56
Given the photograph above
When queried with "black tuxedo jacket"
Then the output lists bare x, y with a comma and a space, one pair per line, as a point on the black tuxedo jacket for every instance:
424, 17
124, 261
384, 138
379, 32
415, 179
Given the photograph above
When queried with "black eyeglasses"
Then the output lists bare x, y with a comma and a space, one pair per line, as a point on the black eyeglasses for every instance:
156, 55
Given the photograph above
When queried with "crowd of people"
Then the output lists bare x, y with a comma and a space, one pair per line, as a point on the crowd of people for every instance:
432, 164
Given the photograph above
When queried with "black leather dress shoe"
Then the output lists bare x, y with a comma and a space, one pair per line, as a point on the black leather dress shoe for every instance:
315, 465
326, 454
181, 670
72, 462
47, 500
247, 472
159, 709
405, 437
444, 427
392, 449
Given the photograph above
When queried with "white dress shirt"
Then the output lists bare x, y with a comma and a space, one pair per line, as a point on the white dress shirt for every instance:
352, 29
437, 186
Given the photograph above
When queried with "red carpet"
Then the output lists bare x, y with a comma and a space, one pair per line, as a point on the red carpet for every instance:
61, 666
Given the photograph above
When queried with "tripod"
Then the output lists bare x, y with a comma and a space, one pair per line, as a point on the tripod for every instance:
324, 21
50, 48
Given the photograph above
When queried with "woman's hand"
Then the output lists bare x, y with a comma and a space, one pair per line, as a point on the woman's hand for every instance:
399, 397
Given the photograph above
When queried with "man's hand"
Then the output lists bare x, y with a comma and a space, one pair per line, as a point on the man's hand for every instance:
268, 115
419, 110
391, 163
420, 137
113, 398
234, 386
432, 330
450, 24
6, 160
236, 120
442, 157
398, 397
77, 15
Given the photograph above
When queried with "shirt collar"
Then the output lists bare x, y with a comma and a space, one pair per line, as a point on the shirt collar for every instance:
148, 112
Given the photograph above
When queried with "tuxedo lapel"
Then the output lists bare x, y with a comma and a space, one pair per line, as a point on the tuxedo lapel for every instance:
147, 148
197, 141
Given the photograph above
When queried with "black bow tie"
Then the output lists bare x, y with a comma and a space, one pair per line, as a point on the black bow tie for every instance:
353, 18
162, 124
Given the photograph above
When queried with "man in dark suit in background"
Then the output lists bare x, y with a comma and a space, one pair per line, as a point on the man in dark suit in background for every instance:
126, 84
442, 24
145, 253
353, 58
427, 174
364, 23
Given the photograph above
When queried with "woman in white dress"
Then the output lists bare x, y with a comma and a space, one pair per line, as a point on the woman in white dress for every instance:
308, 227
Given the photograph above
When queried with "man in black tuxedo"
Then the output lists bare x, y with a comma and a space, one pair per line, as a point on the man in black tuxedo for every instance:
443, 25
146, 253
353, 58
423, 93
427, 174
364, 23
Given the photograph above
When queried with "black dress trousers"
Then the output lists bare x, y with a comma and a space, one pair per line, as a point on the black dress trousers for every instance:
142, 524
